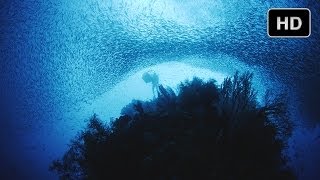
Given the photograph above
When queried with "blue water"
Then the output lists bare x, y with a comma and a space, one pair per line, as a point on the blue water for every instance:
62, 61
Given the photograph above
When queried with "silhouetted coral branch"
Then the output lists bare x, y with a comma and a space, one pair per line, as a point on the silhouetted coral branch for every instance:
203, 132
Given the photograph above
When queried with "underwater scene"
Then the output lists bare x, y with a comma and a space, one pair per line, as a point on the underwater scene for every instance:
157, 89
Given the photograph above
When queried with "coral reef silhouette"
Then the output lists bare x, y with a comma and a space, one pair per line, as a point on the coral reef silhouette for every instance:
201, 132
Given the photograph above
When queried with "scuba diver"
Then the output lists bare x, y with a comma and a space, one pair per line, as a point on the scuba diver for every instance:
152, 77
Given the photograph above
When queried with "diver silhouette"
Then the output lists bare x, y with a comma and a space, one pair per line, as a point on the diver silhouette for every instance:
152, 77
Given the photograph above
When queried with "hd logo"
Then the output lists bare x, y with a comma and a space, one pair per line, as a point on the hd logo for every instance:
289, 22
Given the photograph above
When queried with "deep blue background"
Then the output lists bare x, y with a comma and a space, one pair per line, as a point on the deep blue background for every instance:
57, 55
